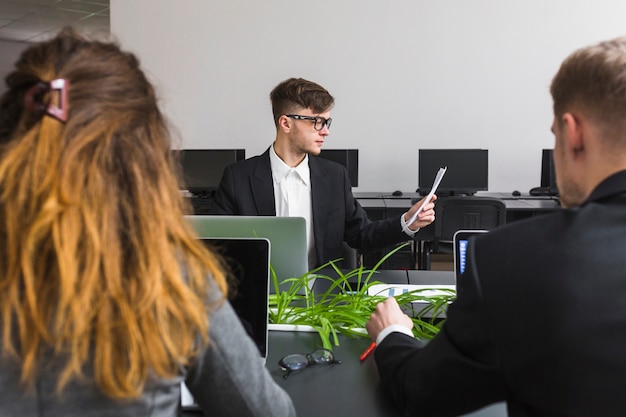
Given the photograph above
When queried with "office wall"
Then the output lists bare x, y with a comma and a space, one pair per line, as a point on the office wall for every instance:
10, 53
406, 74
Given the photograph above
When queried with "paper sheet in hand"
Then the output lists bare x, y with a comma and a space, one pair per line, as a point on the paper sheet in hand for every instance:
438, 179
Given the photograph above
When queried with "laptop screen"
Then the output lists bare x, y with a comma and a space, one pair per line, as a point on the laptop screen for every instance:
461, 240
247, 261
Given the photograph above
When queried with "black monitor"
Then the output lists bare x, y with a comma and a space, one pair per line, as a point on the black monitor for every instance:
548, 173
467, 170
203, 168
349, 158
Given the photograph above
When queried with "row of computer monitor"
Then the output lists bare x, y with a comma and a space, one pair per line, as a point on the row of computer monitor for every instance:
203, 168
467, 169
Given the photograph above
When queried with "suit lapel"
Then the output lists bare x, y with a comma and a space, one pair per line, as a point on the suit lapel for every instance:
262, 186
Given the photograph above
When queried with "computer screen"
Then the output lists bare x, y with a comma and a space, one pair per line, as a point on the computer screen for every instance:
467, 170
247, 262
202, 168
460, 240
349, 158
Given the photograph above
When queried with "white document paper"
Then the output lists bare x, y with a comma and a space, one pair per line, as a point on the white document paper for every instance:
438, 179
391, 290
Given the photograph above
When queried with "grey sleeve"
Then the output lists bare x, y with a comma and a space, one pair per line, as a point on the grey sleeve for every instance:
229, 378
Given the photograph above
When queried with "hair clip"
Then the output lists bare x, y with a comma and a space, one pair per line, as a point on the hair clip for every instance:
33, 99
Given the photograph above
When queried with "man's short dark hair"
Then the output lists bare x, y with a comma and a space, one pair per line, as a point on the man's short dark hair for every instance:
298, 92
593, 79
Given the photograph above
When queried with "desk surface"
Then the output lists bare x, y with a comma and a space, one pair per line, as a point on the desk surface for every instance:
352, 387
348, 389
523, 202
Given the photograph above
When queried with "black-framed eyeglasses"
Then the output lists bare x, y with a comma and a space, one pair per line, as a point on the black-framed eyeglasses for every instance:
298, 361
319, 122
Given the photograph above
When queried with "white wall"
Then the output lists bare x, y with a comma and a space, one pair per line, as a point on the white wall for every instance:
10, 53
406, 74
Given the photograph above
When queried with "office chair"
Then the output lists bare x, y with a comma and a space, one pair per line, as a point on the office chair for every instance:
461, 213
350, 257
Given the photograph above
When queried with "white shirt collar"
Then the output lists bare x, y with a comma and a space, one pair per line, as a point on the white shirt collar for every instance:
280, 169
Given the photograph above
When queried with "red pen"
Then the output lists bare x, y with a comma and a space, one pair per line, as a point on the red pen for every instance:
367, 351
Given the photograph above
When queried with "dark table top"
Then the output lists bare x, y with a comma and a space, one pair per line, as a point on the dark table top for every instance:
352, 387
348, 389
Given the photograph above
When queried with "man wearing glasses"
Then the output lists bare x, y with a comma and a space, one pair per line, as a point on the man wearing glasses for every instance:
288, 179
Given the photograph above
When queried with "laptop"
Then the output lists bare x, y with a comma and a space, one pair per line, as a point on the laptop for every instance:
287, 235
460, 240
247, 261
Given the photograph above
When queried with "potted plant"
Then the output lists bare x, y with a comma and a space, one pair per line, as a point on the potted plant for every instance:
348, 303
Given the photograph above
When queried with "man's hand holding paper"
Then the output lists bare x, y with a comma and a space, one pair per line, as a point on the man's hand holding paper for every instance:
423, 213
425, 217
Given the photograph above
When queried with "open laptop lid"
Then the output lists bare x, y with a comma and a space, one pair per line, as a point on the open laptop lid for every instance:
460, 239
287, 235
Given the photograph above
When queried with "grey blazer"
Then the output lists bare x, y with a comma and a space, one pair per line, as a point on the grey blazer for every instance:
228, 379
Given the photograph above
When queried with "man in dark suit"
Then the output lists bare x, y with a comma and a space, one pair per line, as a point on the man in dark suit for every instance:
290, 180
540, 315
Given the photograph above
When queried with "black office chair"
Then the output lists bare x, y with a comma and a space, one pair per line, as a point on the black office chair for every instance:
350, 257
461, 213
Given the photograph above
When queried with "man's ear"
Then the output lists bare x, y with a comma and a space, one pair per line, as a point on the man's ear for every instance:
284, 123
573, 133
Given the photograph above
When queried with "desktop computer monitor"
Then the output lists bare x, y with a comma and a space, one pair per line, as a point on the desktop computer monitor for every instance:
467, 170
202, 168
548, 173
349, 158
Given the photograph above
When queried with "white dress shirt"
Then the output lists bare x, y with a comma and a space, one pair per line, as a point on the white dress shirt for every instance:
292, 195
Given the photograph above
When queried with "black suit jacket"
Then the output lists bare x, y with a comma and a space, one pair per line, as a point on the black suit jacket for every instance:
539, 321
247, 189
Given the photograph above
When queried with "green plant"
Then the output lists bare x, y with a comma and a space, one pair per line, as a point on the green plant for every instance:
347, 305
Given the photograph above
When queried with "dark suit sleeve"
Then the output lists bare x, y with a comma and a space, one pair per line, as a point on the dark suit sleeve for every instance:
457, 372
363, 233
